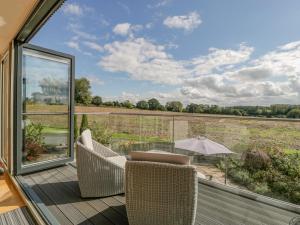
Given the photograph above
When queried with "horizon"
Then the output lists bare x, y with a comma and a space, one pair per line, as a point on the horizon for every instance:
204, 52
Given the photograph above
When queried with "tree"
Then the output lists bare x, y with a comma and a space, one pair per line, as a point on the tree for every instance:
108, 103
97, 100
127, 104
294, 113
194, 108
174, 106
154, 104
82, 91
142, 105
84, 123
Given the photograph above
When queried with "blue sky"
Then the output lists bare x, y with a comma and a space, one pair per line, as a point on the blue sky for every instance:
204, 51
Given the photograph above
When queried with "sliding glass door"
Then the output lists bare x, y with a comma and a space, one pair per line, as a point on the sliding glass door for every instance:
45, 108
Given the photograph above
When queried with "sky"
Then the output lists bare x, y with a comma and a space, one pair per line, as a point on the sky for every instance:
202, 51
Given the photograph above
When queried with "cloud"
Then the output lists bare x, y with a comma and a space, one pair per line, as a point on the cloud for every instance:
122, 29
252, 73
142, 60
95, 80
217, 58
2, 21
125, 29
161, 3
73, 44
93, 45
187, 22
73, 9
222, 76
84, 35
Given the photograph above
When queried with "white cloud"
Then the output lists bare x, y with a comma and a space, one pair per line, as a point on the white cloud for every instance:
122, 29
143, 60
125, 29
223, 76
160, 3
217, 58
93, 45
73, 9
95, 80
2, 21
73, 44
187, 22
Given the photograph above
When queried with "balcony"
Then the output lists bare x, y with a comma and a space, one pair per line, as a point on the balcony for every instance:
222, 199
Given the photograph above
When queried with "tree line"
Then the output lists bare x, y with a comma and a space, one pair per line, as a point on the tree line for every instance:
83, 96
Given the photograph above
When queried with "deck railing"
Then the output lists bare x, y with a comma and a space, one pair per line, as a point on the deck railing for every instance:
262, 146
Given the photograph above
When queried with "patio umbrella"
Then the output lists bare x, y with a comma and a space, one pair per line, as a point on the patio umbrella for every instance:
203, 146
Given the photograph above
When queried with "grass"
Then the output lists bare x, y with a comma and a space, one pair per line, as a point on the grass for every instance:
236, 134
54, 130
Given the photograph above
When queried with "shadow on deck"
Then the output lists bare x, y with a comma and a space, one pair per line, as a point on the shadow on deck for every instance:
56, 194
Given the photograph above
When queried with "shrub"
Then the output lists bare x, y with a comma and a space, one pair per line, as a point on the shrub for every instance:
76, 131
34, 140
241, 176
33, 133
256, 160
84, 123
101, 134
261, 188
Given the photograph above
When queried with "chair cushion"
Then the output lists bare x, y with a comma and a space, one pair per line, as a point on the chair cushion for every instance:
86, 139
119, 160
159, 156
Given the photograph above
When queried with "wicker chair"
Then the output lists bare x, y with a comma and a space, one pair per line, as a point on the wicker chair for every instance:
160, 193
100, 171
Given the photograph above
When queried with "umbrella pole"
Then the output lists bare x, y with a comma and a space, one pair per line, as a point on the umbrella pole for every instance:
225, 157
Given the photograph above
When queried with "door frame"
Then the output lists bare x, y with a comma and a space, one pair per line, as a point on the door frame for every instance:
18, 105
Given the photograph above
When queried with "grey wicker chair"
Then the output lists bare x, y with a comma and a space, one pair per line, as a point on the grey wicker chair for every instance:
160, 193
100, 171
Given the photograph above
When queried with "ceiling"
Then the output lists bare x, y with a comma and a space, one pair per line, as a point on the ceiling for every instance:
13, 14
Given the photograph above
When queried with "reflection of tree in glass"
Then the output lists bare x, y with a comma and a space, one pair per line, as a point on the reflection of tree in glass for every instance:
54, 91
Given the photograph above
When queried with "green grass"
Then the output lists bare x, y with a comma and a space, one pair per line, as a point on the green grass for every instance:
137, 138
54, 130
291, 151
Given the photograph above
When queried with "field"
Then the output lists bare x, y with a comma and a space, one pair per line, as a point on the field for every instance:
236, 133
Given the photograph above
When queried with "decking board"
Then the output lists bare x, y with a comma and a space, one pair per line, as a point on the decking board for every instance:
58, 189
19, 216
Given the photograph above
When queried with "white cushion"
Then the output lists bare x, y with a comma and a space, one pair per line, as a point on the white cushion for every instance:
86, 138
201, 175
119, 160
159, 156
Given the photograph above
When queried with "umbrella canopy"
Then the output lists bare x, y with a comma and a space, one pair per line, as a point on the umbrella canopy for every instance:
202, 145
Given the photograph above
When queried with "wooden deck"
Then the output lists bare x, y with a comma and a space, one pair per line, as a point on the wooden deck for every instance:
56, 191
19, 216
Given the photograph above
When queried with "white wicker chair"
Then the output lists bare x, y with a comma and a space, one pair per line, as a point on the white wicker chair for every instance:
160, 193
100, 171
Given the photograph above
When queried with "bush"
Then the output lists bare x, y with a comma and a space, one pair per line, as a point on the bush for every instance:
34, 140
101, 134
76, 131
33, 133
241, 176
261, 188
256, 160
84, 123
